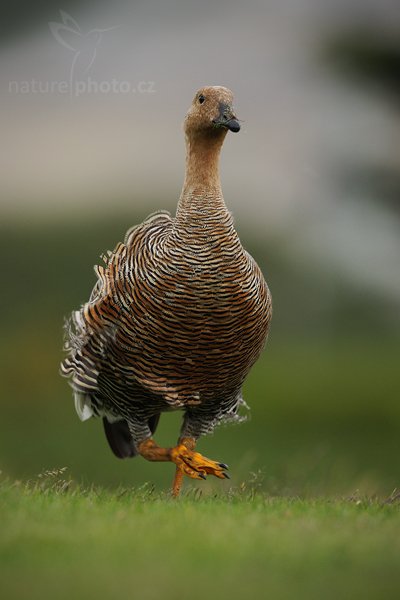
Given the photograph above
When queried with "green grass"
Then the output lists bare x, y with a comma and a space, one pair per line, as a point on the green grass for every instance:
60, 540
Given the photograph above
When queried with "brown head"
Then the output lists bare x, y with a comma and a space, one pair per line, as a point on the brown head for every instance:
211, 113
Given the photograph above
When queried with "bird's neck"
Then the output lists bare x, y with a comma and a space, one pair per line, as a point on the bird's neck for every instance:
201, 192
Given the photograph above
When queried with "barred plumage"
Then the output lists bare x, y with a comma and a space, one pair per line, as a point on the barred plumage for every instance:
178, 316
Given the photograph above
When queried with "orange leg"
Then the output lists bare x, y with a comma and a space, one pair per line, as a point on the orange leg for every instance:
190, 444
187, 461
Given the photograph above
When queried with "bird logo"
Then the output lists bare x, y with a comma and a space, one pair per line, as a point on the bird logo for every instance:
84, 45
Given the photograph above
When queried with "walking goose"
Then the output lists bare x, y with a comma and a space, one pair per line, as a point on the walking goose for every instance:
178, 316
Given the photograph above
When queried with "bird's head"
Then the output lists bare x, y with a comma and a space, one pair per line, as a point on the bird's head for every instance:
211, 113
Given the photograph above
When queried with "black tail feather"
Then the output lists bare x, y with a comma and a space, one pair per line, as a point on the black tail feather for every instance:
120, 439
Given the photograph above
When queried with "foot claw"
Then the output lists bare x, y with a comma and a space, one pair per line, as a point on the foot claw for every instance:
195, 465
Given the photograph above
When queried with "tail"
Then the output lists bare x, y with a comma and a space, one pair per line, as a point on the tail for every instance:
120, 438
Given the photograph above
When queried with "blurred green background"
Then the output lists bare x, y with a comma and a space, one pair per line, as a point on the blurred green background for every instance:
325, 412
313, 180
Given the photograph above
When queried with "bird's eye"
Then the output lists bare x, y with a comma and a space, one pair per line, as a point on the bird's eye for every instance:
201, 98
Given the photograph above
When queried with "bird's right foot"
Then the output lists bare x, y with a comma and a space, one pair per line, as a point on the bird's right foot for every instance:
188, 462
